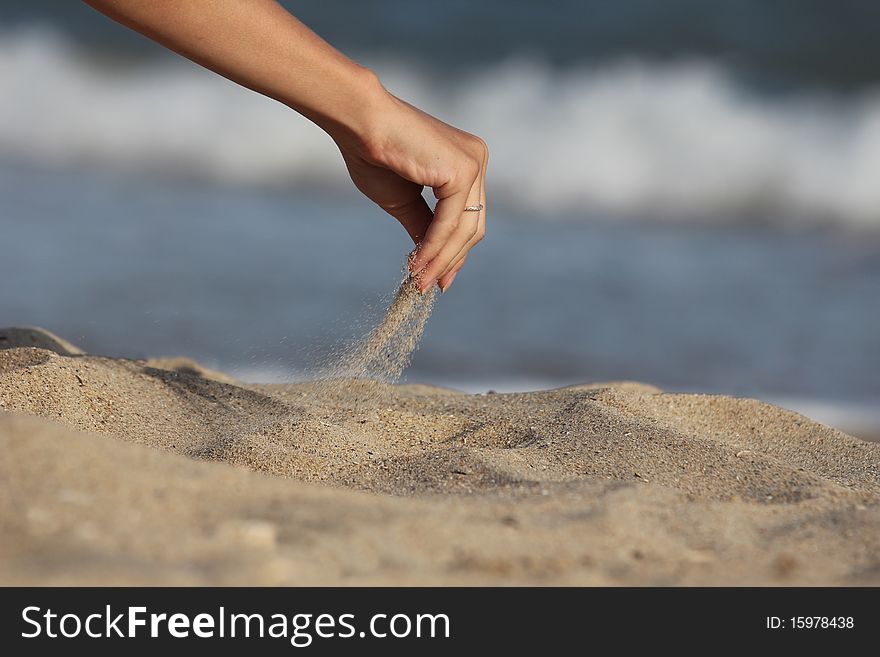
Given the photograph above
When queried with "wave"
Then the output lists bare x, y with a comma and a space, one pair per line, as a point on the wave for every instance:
634, 138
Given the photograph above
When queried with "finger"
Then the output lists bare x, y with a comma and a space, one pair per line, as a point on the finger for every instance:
456, 241
477, 235
447, 216
445, 279
455, 248
414, 215
483, 200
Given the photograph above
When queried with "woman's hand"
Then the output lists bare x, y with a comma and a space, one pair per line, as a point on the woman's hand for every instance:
406, 150
393, 151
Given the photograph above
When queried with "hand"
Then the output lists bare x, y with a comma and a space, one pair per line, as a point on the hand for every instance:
392, 150
406, 151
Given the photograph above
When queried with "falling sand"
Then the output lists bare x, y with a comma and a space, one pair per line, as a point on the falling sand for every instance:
385, 352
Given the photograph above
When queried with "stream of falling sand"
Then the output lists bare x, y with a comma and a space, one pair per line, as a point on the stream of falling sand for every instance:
386, 351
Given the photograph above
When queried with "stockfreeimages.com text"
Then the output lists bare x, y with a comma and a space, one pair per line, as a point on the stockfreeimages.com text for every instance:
301, 629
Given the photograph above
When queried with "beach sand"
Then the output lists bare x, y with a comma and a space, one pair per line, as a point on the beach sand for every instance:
163, 472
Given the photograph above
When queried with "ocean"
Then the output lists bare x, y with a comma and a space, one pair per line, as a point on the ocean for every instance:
681, 193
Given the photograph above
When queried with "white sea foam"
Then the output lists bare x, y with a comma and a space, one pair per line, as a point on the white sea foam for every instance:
674, 140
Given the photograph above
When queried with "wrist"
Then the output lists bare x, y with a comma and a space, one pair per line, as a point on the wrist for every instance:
352, 108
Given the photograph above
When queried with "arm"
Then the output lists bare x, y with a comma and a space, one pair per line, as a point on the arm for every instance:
392, 150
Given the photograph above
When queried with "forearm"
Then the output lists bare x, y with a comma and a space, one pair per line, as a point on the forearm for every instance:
391, 149
259, 45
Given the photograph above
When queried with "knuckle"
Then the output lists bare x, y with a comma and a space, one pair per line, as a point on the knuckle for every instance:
448, 226
484, 149
480, 149
466, 230
471, 169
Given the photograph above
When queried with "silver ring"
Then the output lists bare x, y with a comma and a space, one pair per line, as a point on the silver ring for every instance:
473, 208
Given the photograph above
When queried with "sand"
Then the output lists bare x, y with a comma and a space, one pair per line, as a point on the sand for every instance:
163, 472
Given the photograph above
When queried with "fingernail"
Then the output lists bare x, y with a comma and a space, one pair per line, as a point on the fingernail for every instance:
427, 286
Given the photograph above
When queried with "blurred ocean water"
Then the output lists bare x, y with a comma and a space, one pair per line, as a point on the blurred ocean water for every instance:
676, 141
685, 196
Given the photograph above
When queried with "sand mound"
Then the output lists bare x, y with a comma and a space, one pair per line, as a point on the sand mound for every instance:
30, 336
615, 483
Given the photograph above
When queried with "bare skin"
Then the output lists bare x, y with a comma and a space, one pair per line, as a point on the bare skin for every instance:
392, 149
